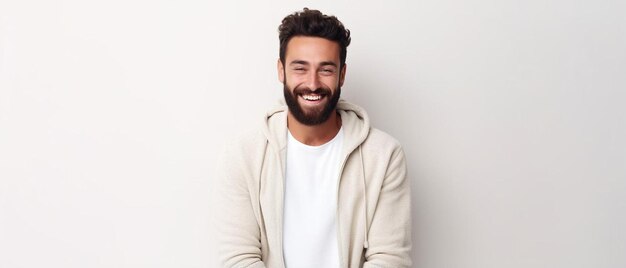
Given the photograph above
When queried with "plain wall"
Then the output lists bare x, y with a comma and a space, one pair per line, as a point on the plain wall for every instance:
511, 113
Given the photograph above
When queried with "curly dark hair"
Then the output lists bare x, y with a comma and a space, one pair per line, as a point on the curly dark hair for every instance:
310, 22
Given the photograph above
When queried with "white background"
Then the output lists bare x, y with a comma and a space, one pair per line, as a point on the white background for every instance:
512, 115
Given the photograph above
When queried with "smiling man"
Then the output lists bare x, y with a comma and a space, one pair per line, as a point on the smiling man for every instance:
316, 185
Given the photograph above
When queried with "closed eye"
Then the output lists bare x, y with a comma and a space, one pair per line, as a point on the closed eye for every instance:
328, 71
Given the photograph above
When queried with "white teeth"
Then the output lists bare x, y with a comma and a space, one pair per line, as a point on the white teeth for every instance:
312, 97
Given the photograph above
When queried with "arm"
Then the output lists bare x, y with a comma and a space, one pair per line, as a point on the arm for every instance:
390, 230
237, 228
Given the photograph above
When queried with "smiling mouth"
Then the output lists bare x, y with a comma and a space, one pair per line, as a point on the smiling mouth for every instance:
312, 98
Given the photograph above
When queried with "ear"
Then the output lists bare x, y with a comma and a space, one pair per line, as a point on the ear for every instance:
343, 75
281, 71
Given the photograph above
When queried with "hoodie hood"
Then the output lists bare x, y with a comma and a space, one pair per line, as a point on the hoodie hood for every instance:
354, 121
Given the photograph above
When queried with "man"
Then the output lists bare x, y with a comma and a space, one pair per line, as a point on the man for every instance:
316, 186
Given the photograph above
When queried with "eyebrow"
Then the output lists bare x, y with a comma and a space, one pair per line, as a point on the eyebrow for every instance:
323, 63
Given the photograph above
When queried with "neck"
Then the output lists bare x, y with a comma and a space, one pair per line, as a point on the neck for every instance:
314, 135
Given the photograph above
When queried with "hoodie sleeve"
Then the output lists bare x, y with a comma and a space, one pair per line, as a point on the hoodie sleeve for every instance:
237, 228
390, 230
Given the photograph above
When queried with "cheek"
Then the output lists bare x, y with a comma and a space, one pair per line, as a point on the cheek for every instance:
330, 82
294, 80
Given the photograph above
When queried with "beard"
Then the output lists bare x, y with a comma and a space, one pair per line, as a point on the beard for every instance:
311, 116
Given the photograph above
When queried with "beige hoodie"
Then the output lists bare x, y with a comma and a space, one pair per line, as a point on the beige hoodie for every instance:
373, 207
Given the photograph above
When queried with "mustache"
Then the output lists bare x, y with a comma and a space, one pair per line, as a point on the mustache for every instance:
305, 90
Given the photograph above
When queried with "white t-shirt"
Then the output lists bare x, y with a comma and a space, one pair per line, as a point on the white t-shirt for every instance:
310, 209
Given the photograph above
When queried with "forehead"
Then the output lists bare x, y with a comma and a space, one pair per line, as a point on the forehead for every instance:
312, 49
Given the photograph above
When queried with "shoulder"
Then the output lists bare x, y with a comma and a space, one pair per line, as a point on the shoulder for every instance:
383, 152
381, 142
243, 145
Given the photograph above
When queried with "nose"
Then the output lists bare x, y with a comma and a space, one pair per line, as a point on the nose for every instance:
314, 81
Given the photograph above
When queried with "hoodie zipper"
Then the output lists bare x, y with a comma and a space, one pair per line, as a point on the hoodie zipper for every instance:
339, 244
282, 206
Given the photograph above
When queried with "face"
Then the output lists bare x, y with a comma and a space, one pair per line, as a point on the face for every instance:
312, 78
